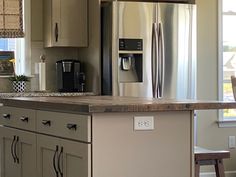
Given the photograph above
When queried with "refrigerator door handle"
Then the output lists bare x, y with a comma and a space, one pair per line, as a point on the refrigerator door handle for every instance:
161, 64
154, 59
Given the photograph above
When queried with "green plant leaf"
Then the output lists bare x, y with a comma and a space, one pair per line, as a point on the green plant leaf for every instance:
19, 78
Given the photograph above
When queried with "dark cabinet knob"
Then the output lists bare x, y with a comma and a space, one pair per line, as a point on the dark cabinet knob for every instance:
24, 119
46, 122
6, 116
71, 126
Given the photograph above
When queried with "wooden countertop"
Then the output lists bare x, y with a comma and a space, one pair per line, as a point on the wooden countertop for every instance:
99, 104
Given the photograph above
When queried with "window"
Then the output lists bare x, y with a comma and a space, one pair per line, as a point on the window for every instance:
227, 55
21, 46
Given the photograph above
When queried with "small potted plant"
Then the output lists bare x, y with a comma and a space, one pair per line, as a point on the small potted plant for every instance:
19, 82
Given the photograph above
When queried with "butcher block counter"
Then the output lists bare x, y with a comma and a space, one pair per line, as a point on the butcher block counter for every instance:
100, 104
99, 136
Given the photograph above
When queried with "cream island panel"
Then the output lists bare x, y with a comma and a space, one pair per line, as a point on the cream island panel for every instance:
119, 150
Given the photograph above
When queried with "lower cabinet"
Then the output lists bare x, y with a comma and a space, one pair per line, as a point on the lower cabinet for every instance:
52, 145
18, 153
55, 157
62, 158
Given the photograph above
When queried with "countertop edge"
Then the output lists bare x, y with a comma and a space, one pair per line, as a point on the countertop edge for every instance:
61, 107
99, 104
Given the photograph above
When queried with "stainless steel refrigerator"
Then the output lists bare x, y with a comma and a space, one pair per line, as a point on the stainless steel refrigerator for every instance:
149, 49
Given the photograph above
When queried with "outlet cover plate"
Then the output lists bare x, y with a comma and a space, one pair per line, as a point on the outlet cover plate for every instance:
231, 142
143, 123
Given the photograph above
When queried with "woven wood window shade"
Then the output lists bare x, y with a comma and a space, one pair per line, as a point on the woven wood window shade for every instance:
11, 19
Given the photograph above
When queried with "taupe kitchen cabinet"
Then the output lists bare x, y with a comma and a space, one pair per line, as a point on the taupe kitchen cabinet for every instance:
172, 1
18, 153
72, 143
65, 23
44, 143
68, 154
178, 1
62, 158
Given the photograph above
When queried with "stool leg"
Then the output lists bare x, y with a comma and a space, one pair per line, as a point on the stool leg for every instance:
219, 167
197, 169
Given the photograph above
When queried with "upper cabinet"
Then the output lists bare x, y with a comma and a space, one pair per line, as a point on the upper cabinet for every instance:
173, 1
177, 1
65, 23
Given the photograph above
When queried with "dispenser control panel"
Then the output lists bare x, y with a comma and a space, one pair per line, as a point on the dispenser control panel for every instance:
131, 44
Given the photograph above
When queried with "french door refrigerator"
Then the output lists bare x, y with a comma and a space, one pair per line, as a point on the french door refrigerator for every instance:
149, 49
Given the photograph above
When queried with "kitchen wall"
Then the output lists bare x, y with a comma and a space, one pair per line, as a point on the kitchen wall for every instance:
209, 134
91, 55
5, 84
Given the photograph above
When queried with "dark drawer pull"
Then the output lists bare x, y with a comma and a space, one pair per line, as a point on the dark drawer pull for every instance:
71, 126
46, 122
24, 119
6, 116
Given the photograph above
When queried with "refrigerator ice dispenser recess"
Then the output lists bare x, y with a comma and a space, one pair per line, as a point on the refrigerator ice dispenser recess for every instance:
130, 60
126, 63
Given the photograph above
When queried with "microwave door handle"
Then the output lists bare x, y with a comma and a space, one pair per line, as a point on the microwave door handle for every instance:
154, 60
161, 65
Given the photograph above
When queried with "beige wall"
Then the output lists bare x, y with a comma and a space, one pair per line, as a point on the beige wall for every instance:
209, 134
91, 55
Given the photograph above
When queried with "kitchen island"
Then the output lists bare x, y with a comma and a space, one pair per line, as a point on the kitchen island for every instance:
99, 136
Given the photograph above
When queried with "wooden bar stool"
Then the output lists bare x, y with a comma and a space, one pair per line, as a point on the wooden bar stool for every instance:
208, 157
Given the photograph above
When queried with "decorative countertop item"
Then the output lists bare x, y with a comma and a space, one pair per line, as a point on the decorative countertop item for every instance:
42, 73
19, 83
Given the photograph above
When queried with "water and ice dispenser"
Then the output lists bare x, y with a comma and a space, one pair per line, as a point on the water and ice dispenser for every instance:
130, 60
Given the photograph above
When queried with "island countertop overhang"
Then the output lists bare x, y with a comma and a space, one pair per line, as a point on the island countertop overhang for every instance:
103, 104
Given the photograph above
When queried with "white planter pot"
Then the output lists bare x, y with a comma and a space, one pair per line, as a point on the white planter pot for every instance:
19, 86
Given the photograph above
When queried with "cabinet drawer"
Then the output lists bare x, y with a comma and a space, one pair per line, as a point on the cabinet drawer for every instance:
18, 117
72, 126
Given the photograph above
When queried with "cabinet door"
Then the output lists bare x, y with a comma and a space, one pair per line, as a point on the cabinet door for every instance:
62, 158
18, 153
65, 23
9, 167
73, 29
172, 1
47, 156
178, 1
76, 159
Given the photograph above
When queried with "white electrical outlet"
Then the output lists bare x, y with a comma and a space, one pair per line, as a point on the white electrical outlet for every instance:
143, 123
231, 142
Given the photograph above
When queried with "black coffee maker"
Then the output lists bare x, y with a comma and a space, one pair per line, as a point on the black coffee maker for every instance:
69, 76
